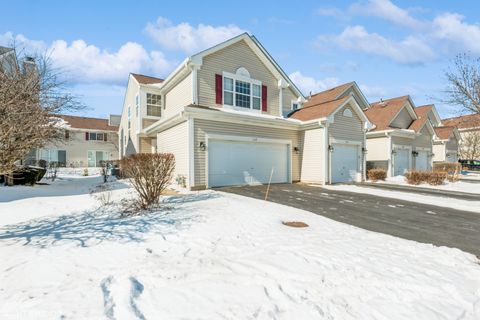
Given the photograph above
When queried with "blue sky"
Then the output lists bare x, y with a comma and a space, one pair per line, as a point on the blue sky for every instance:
390, 48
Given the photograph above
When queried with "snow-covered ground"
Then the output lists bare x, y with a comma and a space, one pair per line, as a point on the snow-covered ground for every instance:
210, 255
459, 186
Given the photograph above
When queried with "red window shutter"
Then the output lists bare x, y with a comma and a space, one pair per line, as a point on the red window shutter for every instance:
264, 98
218, 88
105, 136
86, 136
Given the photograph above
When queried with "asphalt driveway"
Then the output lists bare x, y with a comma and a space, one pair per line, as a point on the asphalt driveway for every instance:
409, 220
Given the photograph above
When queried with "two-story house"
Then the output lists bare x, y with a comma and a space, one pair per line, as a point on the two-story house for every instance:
85, 142
224, 115
402, 137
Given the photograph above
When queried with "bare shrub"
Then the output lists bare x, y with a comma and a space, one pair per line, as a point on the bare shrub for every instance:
452, 170
103, 194
416, 177
419, 177
376, 174
436, 178
150, 174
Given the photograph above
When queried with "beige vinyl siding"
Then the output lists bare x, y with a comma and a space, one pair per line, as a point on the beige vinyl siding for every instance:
230, 59
147, 122
132, 90
452, 144
288, 97
346, 128
313, 160
175, 140
202, 127
145, 145
402, 141
178, 97
377, 149
77, 147
439, 152
424, 140
402, 120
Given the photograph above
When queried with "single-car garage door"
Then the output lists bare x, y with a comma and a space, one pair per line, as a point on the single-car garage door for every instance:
240, 163
421, 162
344, 163
401, 161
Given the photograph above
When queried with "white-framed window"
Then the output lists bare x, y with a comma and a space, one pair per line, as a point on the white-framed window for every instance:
241, 91
294, 105
154, 105
129, 112
137, 100
96, 136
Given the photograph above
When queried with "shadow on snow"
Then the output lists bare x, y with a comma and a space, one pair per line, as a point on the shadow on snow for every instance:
89, 228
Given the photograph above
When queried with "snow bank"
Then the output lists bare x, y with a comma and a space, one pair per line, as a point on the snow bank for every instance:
211, 255
459, 186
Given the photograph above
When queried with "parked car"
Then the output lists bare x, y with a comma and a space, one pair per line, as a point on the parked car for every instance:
470, 164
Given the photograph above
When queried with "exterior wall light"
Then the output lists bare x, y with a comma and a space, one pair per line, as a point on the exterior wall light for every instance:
296, 150
330, 148
415, 153
394, 151
364, 150
202, 146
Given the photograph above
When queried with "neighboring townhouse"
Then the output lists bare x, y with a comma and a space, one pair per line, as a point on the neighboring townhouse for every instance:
468, 127
445, 147
337, 140
142, 107
224, 117
85, 142
402, 137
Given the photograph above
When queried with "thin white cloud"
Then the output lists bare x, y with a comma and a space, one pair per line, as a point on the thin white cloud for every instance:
188, 38
454, 33
386, 10
331, 12
311, 85
87, 63
410, 50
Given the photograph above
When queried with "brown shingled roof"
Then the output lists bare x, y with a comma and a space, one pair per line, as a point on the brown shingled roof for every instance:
444, 132
422, 114
146, 79
327, 95
463, 122
318, 111
381, 113
88, 123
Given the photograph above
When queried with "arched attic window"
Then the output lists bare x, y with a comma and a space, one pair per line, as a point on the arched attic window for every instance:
239, 90
347, 113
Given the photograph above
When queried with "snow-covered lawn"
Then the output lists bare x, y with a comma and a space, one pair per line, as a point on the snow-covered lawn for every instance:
459, 186
210, 255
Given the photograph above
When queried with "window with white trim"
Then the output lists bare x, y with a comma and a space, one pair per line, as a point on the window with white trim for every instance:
96, 136
240, 91
154, 103
294, 106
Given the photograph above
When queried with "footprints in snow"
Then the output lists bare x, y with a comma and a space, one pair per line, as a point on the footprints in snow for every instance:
118, 301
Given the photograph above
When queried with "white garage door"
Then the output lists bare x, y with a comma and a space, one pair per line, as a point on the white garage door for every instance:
421, 162
401, 161
344, 163
240, 163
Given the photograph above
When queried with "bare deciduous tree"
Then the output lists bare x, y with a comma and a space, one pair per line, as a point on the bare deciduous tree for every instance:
150, 174
31, 93
470, 147
464, 83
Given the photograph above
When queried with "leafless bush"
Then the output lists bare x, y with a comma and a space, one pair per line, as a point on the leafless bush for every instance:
452, 170
103, 194
377, 174
150, 174
419, 177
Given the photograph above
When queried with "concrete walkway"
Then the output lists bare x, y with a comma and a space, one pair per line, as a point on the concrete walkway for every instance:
408, 220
